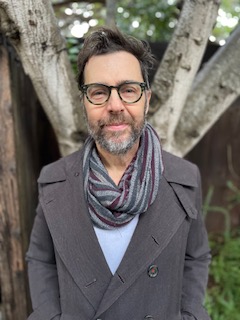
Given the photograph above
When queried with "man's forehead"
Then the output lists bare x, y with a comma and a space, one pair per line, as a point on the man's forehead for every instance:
117, 55
121, 66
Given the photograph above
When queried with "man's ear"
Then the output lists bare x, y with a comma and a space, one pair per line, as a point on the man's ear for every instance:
148, 97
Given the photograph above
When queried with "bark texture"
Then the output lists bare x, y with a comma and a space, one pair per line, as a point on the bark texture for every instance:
12, 268
214, 90
179, 66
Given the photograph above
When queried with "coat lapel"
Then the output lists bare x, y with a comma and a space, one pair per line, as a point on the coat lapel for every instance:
151, 236
73, 234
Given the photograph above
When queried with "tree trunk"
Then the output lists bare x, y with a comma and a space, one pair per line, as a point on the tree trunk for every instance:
32, 29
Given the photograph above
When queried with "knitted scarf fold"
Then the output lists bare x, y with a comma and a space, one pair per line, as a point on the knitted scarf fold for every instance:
112, 206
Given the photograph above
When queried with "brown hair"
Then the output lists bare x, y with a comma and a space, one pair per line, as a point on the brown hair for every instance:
105, 40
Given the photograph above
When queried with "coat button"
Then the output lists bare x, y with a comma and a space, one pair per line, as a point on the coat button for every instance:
153, 271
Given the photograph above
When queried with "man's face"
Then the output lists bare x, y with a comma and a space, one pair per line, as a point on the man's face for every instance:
115, 125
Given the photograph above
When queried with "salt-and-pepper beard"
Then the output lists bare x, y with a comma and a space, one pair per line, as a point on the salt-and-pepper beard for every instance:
116, 147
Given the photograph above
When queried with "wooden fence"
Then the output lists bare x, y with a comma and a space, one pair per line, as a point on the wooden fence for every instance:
25, 136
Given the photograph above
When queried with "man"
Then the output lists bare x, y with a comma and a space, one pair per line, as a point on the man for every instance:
118, 233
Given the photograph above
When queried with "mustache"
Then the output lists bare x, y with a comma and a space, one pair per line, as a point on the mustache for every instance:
114, 119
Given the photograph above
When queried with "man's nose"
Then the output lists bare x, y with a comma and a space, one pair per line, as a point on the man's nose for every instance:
115, 104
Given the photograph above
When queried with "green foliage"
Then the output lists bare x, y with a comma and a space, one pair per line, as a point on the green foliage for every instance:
73, 48
149, 20
227, 20
154, 22
223, 294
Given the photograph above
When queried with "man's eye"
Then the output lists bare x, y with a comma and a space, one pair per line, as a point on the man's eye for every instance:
98, 92
128, 89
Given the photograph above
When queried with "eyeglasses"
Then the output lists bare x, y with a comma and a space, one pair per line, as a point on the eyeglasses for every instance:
129, 92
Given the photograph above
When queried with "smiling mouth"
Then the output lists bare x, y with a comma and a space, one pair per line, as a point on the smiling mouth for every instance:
116, 126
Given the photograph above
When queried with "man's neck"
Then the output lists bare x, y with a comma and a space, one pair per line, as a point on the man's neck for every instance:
116, 164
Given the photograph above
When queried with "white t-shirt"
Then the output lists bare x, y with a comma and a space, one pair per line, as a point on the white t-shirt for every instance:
114, 242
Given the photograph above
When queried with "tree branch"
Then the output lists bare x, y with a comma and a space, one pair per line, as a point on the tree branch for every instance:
111, 9
180, 63
215, 88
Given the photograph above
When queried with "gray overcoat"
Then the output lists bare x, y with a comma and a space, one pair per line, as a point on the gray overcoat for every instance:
163, 274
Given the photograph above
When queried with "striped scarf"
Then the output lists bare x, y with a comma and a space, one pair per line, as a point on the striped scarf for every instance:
112, 206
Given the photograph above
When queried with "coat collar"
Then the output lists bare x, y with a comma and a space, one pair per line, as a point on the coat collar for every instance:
63, 201
175, 169
178, 170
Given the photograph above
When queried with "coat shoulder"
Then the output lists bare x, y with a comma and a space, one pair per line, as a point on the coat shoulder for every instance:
179, 170
57, 171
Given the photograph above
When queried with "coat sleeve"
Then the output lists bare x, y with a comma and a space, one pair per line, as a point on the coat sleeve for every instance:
42, 272
196, 265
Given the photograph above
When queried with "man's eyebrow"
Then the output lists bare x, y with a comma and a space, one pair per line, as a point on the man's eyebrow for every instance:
127, 81
117, 84
121, 82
